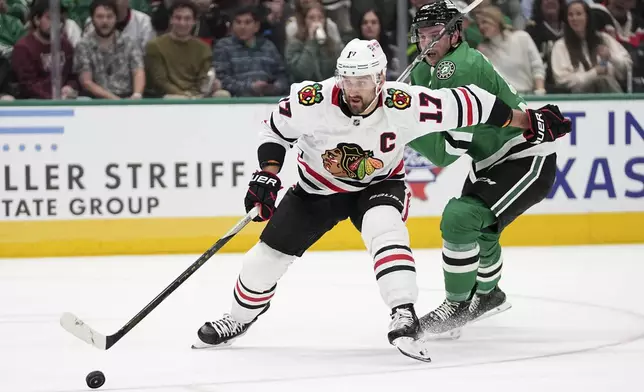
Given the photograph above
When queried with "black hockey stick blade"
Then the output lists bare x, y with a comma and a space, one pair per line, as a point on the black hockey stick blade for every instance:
84, 332
403, 77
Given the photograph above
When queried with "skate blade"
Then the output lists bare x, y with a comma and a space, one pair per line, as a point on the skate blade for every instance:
199, 345
492, 312
412, 349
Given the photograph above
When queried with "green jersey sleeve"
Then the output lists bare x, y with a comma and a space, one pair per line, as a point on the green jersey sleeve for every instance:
432, 147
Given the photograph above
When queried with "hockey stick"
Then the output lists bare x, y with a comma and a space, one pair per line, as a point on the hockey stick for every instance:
403, 77
84, 332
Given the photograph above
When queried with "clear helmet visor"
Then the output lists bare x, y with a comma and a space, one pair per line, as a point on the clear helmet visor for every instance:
364, 88
358, 84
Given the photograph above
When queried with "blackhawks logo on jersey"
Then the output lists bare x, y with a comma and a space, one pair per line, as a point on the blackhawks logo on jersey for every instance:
397, 99
349, 160
310, 95
445, 69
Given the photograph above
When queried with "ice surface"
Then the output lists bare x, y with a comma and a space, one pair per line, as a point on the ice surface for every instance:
577, 324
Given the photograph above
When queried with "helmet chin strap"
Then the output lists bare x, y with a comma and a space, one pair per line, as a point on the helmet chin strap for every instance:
373, 102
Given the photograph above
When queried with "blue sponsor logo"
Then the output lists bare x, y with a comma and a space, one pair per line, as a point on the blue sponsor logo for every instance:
15, 131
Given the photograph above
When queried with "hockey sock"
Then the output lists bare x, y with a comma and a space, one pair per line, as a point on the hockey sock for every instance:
491, 263
262, 268
461, 225
387, 240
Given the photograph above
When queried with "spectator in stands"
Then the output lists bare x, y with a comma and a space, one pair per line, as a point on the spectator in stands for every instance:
272, 15
249, 65
274, 27
371, 28
512, 52
32, 60
71, 29
18, 9
131, 23
313, 54
108, 64
339, 12
177, 63
300, 7
386, 10
586, 60
212, 23
511, 9
618, 19
78, 10
11, 30
545, 28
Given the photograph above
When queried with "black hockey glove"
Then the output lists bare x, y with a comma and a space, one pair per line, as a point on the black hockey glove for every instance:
547, 124
262, 191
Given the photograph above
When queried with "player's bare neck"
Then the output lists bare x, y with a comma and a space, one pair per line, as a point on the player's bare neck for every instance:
346, 109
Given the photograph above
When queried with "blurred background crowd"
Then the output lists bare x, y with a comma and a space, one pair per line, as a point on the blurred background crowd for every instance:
129, 49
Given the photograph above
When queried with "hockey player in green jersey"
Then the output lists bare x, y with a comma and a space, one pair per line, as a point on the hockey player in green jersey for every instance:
509, 174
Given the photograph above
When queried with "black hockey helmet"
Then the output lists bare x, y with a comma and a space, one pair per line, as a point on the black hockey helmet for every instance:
436, 13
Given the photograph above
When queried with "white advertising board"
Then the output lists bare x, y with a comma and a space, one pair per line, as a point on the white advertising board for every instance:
600, 164
91, 162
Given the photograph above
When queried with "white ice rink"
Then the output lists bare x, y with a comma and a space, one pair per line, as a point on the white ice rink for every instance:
577, 324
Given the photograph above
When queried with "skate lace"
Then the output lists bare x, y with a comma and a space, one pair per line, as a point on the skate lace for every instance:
402, 318
445, 311
475, 302
226, 326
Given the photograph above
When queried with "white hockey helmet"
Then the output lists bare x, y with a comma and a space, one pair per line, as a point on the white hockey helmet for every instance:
361, 57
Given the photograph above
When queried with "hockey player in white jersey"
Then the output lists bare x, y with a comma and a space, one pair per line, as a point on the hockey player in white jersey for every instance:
350, 132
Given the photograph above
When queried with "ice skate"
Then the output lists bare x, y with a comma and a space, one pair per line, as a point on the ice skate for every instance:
403, 333
446, 320
486, 305
220, 333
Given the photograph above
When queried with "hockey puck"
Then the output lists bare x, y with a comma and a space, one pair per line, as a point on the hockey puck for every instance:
95, 379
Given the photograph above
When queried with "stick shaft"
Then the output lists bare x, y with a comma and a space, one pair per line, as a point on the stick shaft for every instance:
112, 339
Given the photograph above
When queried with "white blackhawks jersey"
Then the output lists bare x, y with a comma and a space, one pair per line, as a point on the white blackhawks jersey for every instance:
341, 152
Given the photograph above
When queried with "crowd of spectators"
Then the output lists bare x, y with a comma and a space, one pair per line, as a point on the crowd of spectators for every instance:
129, 49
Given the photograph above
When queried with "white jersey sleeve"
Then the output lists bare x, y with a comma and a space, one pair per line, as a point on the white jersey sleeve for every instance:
447, 109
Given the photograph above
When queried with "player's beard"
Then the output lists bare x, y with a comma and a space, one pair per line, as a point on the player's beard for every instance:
357, 105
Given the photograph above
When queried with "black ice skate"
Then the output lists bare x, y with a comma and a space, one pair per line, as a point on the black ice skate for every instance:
486, 305
403, 333
447, 319
220, 333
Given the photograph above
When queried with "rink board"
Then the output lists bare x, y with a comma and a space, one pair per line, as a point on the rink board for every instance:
169, 177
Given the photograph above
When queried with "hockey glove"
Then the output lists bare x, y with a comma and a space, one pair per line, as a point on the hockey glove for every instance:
262, 191
547, 124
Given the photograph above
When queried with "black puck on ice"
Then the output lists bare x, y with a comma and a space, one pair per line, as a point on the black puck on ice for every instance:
95, 379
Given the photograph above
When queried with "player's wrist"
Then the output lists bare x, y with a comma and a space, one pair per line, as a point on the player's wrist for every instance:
520, 120
272, 168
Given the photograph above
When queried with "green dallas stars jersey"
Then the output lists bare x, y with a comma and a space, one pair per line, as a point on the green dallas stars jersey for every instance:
486, 144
